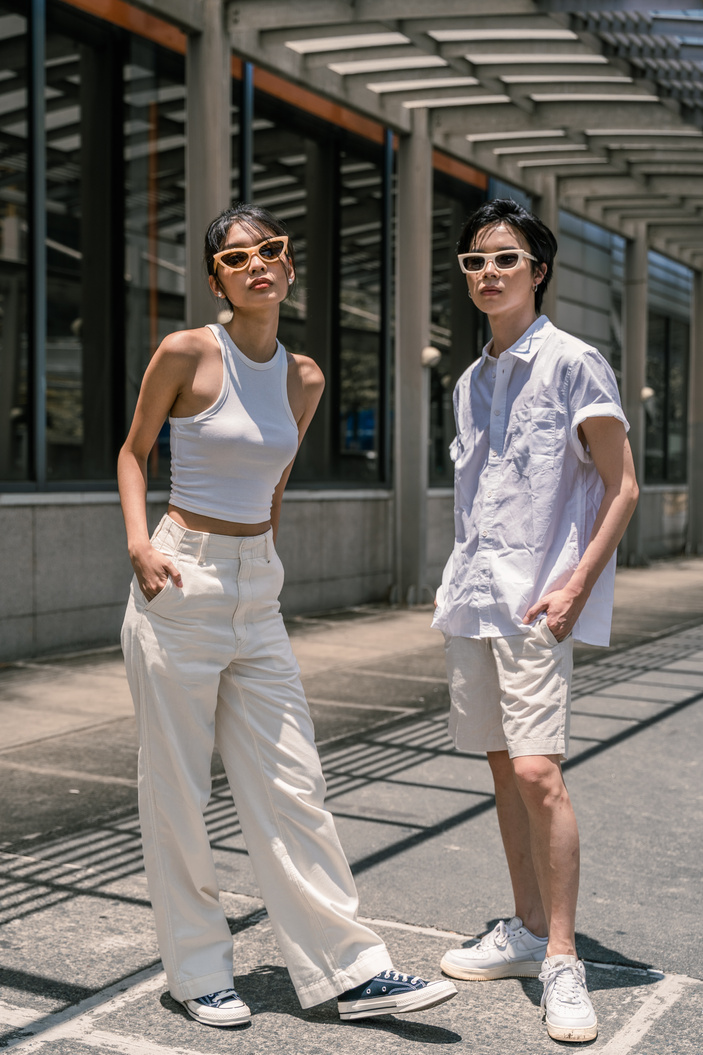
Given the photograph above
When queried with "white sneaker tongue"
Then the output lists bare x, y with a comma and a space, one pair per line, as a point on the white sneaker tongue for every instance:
515, 923
562, 958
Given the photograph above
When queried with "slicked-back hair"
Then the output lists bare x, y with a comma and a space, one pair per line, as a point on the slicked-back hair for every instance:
539, 238
259, 221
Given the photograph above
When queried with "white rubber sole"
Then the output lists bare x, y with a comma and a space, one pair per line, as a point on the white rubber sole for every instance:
575, 1034
433, 994
219, 1017
517, 969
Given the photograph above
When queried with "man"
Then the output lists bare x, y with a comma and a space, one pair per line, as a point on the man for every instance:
544, 489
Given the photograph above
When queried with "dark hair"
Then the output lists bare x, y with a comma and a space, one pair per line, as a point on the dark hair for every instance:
256, 218
539, 238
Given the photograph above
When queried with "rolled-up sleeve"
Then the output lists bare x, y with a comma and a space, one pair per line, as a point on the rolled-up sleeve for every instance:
592, 393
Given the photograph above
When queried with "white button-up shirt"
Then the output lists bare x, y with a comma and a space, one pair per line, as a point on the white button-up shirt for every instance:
526, 491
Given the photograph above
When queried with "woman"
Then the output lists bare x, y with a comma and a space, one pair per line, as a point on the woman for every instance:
209, 661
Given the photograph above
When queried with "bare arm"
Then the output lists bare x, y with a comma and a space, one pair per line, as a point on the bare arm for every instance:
167, 374
612, 456
305, 389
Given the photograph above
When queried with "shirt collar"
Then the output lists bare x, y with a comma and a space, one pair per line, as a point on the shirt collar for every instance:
527, 345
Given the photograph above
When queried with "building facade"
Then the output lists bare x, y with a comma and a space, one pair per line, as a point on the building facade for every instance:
117, 149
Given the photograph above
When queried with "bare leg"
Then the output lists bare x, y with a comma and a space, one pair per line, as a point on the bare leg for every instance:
515, 830
555, 844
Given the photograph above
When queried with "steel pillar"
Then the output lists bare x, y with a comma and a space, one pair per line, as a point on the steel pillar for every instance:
208, 150
634, 372
413, 292
694, 541
548, 212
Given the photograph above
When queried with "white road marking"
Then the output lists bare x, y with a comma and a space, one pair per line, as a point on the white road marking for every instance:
71, 774
663, 996
18, 1017
432, 932
130, 1045
401, 677
360, 706
76, 1021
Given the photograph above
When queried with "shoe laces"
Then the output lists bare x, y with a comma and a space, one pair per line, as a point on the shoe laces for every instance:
397, 976
566, 980
218, 998
500, 935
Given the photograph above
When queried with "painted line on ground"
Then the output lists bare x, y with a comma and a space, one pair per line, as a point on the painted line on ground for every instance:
65, 1024
662, 998
431, 932
401, 677
68, 774
352, 705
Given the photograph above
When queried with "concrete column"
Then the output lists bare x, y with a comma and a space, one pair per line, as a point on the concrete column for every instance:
413, 292
694, 541
634, 372
208, 150
548, 211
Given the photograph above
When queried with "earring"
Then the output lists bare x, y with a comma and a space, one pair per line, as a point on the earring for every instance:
290, 280
469, 294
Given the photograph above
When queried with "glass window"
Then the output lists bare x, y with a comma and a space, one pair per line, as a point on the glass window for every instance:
154, 162
326, 185
666, 410
360, 355
457, 328
14, 388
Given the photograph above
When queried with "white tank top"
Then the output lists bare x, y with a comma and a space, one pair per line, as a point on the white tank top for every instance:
227, 460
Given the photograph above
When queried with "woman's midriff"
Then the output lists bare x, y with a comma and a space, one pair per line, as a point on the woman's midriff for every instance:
212, 526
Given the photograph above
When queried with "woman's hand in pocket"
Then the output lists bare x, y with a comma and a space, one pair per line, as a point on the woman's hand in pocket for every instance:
153, 570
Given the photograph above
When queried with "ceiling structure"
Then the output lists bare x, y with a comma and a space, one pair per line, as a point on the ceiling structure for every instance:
605, 100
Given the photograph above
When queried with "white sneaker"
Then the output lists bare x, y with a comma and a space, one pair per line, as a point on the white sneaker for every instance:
223, 1008
568, 1009
510, 950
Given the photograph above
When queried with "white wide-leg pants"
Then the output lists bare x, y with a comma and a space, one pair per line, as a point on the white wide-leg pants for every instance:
210, 663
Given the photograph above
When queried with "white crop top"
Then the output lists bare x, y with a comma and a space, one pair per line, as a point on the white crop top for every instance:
227, 460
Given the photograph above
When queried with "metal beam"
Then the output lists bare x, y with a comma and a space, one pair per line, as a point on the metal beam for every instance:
413, 294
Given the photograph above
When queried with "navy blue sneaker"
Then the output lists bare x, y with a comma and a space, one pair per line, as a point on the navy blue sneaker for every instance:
223, 1008
393, 993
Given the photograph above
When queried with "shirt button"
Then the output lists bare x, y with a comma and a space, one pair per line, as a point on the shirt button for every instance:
484, 533
496, 412
490, 494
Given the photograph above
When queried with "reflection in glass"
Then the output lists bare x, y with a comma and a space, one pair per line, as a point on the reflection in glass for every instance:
154, 155
64, 186
456, 328
14, 389
360, 316
666, 410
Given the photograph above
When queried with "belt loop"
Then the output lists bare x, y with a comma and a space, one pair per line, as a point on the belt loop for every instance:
269, 545
202, 551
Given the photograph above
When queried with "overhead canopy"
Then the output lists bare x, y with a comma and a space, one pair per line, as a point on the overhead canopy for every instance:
606, 102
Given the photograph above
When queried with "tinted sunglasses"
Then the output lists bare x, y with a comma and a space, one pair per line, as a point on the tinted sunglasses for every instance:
505, 260
237, 259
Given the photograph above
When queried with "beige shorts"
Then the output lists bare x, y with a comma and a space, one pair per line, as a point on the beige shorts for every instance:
510, 693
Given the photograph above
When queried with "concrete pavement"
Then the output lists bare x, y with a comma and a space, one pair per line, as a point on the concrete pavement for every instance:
80, 969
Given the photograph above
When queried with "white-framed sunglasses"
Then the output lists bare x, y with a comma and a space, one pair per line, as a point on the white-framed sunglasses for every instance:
237, 258
505, 260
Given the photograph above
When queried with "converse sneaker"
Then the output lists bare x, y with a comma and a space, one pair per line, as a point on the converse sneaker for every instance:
392, 992
568, 1009
510, 950
223, 1008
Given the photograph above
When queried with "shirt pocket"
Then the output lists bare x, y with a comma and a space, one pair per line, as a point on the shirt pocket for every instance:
531, 440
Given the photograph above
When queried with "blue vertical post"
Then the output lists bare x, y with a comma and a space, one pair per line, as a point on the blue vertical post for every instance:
246, 133
37, 246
